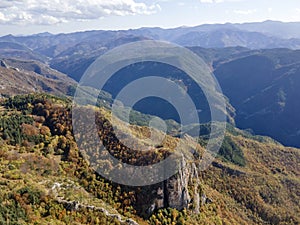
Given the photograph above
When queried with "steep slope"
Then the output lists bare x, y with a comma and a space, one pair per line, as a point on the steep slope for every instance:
265, 93
266, 189
19, 51
20, 77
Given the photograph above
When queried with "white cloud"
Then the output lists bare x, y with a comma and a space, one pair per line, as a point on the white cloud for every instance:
59, 11
298, 10
245, 12
2, 17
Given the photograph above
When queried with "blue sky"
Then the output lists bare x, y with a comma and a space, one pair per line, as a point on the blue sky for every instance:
56, 16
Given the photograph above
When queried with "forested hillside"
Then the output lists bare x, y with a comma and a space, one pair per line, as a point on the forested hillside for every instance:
45, 179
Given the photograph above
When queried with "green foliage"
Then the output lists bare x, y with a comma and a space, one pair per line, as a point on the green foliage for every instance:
140, 119
11, 213
231, 152
71, 90
21, 103
11, 129
32, 195
168, 216
24, 102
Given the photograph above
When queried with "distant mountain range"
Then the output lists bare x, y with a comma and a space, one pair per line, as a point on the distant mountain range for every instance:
72, 53
256, 64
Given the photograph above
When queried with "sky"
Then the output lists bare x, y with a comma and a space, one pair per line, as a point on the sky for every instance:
23, 17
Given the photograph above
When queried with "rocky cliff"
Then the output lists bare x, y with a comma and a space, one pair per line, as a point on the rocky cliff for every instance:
181, 191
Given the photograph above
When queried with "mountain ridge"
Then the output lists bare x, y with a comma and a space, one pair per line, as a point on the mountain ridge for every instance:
47, 167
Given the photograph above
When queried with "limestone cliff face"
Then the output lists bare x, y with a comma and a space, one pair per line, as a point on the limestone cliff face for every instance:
183, 189
180, 191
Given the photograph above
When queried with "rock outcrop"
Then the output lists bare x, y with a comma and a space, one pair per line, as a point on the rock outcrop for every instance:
3, 64
183, 189
75, 206
180, 191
